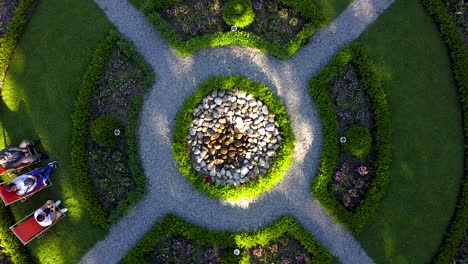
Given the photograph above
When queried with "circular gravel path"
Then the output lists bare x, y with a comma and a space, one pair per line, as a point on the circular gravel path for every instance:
169, 192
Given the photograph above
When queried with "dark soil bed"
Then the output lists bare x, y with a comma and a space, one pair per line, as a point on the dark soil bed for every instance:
353, 108
176, 249
6, 13
274, 21
109, 165
458, 9
285, 250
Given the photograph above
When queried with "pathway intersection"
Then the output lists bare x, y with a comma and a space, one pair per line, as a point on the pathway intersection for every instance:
177, 78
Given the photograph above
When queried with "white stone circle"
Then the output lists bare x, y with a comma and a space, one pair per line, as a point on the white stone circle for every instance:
233, 137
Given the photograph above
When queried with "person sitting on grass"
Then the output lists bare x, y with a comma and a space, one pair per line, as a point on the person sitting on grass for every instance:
25, 183
49, 213
13, 157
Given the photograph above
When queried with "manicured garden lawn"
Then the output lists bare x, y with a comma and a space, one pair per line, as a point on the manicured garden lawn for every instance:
427, 137
39, 95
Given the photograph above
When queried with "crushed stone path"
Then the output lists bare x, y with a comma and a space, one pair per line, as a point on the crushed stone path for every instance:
177, 78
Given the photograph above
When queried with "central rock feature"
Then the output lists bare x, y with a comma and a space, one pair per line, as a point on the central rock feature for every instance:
233, 138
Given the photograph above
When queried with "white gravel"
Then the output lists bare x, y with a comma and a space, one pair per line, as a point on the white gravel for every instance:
177, 78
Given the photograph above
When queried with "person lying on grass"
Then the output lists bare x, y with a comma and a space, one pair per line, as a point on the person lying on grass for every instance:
14, 157
25, 183
49, 213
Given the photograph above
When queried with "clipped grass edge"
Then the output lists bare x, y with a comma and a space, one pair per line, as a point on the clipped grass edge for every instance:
355, 55
251, 189
13, 32
80, 132
453, 38
185, 48
172, 225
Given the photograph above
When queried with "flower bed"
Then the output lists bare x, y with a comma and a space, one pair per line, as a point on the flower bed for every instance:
113, 85
279, 28
353, 107
337, 118
175, 240
181, 150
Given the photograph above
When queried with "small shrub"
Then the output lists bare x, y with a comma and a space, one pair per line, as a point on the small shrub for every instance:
102, 130
238, 13
358, 141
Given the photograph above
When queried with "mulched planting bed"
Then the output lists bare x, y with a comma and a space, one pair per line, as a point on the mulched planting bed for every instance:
353, 108
176, 249
113, 96
285, 250
458, 9
274, 21
4, 257
6, 13
462, 254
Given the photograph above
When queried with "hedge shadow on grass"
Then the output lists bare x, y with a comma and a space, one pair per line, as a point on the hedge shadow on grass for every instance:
453, 38
283, 155
356, 56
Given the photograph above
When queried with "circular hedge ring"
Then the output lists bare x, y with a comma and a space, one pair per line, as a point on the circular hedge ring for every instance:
182, 151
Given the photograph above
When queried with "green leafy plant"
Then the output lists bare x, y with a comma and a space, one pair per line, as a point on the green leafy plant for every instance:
354, 221
284, 153
358, 141
102, 130
238, 13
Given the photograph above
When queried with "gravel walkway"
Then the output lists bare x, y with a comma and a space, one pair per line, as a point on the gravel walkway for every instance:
177, 78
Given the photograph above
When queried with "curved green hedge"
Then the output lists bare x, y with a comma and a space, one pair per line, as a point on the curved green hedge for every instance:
13, 33
249, 189
355, 55
172, 225
459, 59
184, 48
80, 132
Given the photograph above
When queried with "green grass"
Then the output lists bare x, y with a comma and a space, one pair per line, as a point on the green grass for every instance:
39, 98
427, 137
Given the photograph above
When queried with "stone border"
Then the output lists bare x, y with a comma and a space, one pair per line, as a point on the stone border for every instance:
284, 153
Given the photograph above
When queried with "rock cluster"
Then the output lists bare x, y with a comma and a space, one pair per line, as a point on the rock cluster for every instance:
233, 138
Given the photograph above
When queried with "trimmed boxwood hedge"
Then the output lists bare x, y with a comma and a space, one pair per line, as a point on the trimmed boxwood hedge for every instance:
355, 55
184, 48
238, 13
172, 225
284, 153
13, 33
80, 118
459, 60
